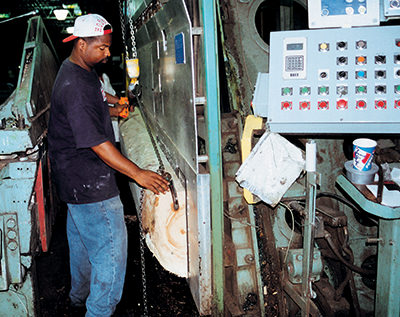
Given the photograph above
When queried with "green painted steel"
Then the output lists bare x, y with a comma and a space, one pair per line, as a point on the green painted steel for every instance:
213, 123
367, 205
387, 300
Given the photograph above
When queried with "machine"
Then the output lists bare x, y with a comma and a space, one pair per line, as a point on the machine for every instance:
315, 250
212, 81
26, 198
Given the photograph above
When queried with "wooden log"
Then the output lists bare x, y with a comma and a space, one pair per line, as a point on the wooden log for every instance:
165, 228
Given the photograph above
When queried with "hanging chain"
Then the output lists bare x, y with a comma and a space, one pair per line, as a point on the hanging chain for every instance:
142, 258
132, 30
153, 142
133, 39
122, 19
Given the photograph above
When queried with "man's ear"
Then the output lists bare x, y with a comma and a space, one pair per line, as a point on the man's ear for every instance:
81, 44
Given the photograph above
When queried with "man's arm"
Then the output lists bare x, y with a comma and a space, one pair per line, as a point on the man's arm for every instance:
145, 178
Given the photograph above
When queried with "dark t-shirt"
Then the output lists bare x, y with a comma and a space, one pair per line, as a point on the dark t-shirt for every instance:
79, 119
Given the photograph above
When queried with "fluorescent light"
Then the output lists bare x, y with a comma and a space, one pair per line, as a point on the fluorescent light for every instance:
61, 14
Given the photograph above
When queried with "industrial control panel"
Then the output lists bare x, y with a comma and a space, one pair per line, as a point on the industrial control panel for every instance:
335, 81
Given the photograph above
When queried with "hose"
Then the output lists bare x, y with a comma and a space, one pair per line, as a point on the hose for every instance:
342, 200
351, 266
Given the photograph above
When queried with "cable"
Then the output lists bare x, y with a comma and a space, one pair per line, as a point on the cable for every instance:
351, 266
342, 200
291, 234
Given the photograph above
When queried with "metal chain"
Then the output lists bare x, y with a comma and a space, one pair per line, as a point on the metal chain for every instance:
142, 258
153, 142
122, 19
133, 39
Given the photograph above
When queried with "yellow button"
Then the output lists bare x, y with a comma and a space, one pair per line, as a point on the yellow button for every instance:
323, 46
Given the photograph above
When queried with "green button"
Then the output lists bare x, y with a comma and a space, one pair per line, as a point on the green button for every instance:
361, 88
322, 89
304, 90
397, 87
286, 91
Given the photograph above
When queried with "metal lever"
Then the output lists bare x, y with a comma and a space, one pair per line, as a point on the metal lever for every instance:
174, 195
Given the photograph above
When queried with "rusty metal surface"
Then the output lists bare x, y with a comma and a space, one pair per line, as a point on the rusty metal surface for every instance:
244, 285
247, 53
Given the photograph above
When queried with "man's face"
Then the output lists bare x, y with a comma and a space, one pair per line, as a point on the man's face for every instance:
98, 50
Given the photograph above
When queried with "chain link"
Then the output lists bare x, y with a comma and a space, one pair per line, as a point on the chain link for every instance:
122, 19
153, 142
132, 30
133, 39
142, 258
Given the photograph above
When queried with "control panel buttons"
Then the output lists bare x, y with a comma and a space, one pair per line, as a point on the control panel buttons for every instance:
361, 104
380, 74
380, 104
361, 45
380, 59
287, 91
362, 9
397, 59
286, 105
361, 74
323, 105
397, 104
323, 47
397, 89
341, 75
349, 10
342, 90
341, 45
380, 89
305, 90
360, 90
341, 104
323, 74
397, 41
323, 90
304, 105
341, 60
361, 60
397, 73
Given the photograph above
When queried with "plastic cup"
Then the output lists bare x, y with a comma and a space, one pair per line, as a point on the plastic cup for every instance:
363, 153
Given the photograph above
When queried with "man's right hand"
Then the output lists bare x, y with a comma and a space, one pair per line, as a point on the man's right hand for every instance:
152, 181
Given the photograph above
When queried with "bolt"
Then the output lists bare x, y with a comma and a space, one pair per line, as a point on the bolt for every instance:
249, 258
299, 257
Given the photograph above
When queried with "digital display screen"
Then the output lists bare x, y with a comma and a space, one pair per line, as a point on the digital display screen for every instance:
294, 46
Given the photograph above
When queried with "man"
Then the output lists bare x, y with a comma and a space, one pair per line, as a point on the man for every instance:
83, 159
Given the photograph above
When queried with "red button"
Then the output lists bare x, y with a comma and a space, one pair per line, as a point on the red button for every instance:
304, 105
380, 104
341, 104
323, 105
397, 104
286, 105
361, 104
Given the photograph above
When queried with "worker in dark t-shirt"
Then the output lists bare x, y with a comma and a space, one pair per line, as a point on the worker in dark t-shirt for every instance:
83, 159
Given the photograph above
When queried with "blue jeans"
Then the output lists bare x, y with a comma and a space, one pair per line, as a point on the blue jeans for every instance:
97, 241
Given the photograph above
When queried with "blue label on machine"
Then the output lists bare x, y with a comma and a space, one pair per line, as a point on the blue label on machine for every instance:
180, 49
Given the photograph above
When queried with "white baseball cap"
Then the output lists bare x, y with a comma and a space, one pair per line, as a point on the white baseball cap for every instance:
89, 25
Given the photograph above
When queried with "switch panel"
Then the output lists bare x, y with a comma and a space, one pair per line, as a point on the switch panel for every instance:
343, 13
345, 81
